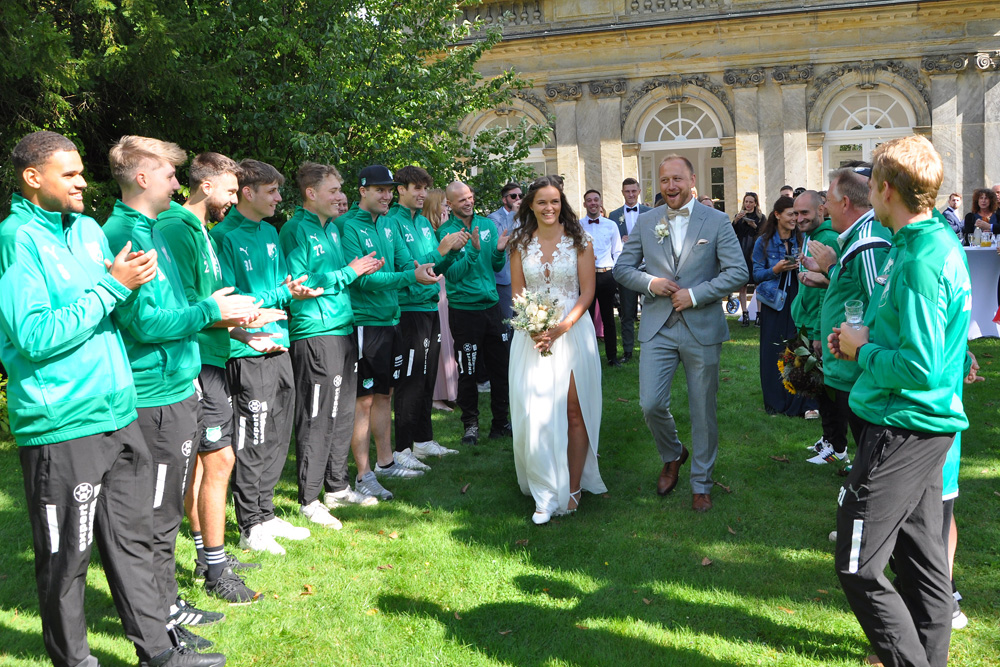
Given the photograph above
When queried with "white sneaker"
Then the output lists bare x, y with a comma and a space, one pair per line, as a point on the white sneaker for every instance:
829, 456
397, 471
431, 448
258, 539
280, 528
406, 459
818, 446
318, 513
348, 497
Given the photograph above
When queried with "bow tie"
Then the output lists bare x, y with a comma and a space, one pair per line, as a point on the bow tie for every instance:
593, 221
629, 210
679, 213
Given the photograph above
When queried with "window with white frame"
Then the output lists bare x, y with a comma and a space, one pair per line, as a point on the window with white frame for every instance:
859, 120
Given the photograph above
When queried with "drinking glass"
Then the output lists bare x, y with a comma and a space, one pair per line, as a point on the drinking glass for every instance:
855, 312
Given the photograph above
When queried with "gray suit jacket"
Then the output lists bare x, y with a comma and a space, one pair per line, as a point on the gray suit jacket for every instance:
617, 216
711, 266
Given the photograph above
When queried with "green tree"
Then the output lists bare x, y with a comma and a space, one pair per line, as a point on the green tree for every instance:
280, 81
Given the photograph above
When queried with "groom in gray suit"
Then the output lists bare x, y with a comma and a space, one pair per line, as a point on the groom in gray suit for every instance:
693, 260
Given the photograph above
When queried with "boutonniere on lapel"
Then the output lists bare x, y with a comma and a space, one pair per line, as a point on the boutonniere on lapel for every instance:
621, 218
662, 231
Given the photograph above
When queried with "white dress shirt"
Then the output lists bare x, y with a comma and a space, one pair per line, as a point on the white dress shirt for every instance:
607, 241
631, 216
678, 231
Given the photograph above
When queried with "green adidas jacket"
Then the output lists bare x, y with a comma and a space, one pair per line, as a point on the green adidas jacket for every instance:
422, 243
809, 300
913, 368
375, 297
68, 370
253, 263
158, 326
863, 249
196, 258
471, 279
314, 250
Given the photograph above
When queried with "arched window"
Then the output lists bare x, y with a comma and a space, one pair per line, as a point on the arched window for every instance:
507, 119
859, 120
687, 128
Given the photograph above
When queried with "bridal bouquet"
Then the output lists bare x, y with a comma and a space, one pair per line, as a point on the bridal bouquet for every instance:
535, 312
801, 371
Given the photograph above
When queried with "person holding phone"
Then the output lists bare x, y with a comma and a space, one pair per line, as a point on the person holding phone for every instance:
775, 268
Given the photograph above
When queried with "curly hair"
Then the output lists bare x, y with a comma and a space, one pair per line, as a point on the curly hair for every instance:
990, 195
527, 224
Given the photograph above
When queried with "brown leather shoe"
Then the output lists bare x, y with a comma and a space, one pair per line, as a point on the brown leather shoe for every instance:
668, 476
702, 502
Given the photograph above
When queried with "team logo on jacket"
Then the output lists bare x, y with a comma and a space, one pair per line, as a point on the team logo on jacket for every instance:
254, 406
427, 232
83, 492
388, 233
186, 448
96, 253
272, 250
484, 234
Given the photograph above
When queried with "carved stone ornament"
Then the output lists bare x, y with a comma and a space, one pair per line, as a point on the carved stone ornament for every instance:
749, 77
533, 100
867, 71
944, 64
608, 88
563, 91
675, 84
792, 74
988, 62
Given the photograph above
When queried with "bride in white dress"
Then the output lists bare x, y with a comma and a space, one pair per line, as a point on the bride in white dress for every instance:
555, 400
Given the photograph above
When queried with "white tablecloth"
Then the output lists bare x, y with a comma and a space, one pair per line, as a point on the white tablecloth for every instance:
984, 269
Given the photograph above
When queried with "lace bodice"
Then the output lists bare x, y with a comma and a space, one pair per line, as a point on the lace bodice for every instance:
558, 275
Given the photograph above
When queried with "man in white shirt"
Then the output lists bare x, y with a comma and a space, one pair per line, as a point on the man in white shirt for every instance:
628, 301
607, 247
503, 217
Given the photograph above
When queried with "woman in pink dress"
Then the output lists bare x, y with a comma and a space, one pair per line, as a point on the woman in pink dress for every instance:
436, 210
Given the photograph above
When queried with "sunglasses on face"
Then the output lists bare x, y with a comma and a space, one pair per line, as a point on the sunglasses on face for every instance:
514, 195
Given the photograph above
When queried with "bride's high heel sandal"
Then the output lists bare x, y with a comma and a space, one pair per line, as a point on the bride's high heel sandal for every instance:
575, 496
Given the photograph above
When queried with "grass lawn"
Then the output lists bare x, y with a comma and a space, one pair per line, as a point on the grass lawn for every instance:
445, 577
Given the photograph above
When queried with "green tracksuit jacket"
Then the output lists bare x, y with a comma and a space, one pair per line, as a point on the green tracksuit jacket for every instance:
196, 258
471, 279
158, 326
913, 368
314, 250
863, 249
375, 297
809, 300
420, 239
68, 370
253, 263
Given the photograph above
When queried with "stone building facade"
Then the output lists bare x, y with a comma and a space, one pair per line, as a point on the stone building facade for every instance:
756, 93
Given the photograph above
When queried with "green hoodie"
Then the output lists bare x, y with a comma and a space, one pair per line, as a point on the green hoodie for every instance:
253, 263
375, 296
197, 262
420, 239
913, 368
68, 370
314, 250
471, 279
809, 300
863, 249
158, 326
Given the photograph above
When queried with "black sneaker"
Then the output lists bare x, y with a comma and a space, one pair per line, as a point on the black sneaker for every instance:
231, 588
184, 637
187, 614
504, 431
181, 656
232, 562
471, 436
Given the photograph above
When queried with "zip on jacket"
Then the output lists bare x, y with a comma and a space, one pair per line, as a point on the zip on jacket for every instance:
69, 374
471, 279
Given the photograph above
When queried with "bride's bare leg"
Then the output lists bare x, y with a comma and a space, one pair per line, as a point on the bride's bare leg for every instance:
576, 449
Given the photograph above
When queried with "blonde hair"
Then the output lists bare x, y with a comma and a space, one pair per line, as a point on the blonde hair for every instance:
433, 206
912, 167
128, 155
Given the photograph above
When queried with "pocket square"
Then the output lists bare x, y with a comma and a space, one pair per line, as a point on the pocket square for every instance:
702, 242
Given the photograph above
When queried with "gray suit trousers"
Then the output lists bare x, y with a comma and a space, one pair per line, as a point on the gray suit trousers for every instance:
659, 361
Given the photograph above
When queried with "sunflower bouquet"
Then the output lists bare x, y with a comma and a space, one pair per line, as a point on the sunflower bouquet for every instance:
536, 312
801, 371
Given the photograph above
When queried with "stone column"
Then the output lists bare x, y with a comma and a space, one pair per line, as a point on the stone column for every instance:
989, 64
608, 94
734, 196
792, 81
815, 178
945, 125
744, 82
563, 97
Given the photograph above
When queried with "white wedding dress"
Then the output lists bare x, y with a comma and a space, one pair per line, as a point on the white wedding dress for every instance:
539, 387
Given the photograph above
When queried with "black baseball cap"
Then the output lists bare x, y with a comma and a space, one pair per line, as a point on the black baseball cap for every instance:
375, 174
